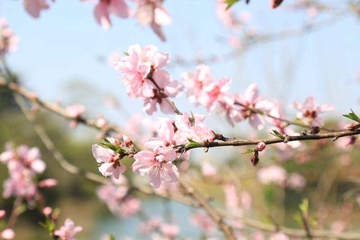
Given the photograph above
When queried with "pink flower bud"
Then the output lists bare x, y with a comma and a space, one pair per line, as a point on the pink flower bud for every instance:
260, 146
47, 211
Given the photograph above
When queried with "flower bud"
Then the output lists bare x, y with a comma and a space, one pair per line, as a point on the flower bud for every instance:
260, 146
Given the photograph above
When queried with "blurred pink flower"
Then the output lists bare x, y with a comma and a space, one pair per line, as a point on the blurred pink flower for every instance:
34, 7
309, 110
279, 236
245, 201
231, 197
202, 89
7, 234
225, 15
204, 222
208, 169
68, 230
8, 40
272, 174
105, 7
48, 183
2, 213
115, 195
24, 164
151, 12
169, 230
296, 181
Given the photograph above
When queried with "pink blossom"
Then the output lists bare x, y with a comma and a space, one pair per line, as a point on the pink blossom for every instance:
338, 226
225, 15
208, 169
75, 110
105, 7
151, 12
2, 213
23, 164
169, 230
260, 146
156, 163
204, 222
68, 230
167, 86
227, 105
47, 211
251, 100
245, 201
129, 206
48, 183
231, 197
34, 7
191, 127
203, 89
20, 183
8, 234
142, 73
109, 160
296, 181
115, 195
309, 110
272, 174
149, 225
8, 40
278, 236
258, 236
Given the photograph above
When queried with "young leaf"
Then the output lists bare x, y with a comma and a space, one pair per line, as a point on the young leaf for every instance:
192, 144
352, 116
230, 3
304, 206
277, 134
248, 151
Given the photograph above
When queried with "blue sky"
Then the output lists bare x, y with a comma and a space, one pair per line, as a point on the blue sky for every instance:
66, 43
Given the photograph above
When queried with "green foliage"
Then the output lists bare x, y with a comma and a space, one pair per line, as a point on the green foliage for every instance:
230, 3
277, 134
352, 116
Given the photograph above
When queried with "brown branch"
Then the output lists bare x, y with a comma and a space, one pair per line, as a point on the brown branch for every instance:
212, 212
287, 138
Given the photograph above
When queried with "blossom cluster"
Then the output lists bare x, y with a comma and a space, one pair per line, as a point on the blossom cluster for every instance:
24, 164
156, 161
142, 72
115, 194
203, 89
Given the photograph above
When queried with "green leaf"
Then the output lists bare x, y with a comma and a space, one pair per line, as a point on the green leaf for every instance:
304, 206
249, 151
230, 3
352, 116
192, 144
277, 134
